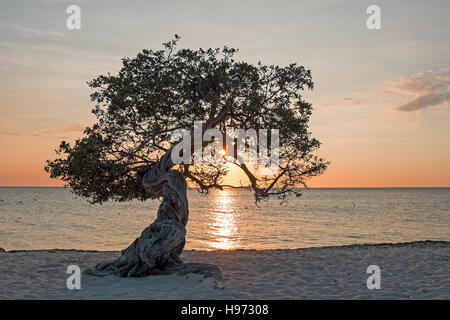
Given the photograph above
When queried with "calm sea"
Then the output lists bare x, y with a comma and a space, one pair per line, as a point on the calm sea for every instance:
43, 218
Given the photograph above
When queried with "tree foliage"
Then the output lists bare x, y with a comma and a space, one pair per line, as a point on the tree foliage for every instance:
160, 91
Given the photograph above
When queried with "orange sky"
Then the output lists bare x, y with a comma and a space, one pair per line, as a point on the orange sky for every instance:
381, 100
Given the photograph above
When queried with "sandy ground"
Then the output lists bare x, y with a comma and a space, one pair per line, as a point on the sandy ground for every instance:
419, 270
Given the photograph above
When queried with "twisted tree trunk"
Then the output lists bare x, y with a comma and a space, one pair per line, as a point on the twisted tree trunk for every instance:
158, 249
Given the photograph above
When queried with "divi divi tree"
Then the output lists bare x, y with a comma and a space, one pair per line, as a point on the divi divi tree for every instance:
126, 153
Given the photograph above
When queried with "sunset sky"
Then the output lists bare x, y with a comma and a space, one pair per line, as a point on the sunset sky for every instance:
381, 97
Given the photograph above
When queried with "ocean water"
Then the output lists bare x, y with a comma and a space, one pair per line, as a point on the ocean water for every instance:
44, 218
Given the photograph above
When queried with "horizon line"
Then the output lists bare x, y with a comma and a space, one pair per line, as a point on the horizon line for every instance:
391, 187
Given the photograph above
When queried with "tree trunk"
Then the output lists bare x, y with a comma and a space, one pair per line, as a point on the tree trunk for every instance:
158, 249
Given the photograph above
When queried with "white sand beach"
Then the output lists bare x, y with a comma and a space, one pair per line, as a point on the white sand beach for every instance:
416, 270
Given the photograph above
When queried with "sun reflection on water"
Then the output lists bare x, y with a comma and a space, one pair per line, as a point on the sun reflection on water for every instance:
223, 227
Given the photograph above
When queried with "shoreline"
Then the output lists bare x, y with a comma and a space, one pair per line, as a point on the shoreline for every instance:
413, 270
399, 244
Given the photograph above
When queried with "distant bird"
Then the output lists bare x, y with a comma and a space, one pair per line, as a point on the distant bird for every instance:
19, 202
35, 199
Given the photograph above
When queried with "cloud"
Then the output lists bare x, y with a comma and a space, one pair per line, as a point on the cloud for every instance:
424, 101
40, 35
346, 101
67, 129
37, 132
425, 89
351, 101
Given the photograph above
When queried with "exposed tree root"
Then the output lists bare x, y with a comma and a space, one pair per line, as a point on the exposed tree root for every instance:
158, 249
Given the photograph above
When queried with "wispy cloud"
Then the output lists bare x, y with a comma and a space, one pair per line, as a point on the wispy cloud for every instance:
425, 89
346, 101
38, 132
44, 34
68, 129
